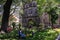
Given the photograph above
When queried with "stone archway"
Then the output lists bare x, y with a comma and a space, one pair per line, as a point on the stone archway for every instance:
31, 22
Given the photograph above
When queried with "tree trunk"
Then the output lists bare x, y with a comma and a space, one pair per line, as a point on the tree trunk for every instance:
6, 13
52, 25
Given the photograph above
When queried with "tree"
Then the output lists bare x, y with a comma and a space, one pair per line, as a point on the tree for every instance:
48, 6
6, 13
13, 24
53, 14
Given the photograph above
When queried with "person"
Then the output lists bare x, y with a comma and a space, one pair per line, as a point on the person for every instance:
21, 34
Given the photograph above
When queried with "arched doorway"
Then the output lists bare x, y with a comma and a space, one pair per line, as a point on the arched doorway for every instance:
31, 23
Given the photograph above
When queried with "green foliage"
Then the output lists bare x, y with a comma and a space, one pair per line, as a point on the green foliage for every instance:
47, 34
44, 35
58, 1
2, 2
31, 22
53, 14
40, 6
13, 24
45, 5
12, 34
49, 6
19, 25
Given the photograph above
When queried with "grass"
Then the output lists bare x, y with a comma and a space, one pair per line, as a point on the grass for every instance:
48, 34
45, 35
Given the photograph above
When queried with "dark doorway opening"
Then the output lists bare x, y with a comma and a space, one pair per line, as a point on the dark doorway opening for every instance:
31, 23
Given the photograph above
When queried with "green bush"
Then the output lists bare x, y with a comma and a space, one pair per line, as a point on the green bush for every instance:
12, 34
47, 34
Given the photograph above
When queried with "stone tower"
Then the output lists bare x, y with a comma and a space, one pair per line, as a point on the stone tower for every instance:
30, 14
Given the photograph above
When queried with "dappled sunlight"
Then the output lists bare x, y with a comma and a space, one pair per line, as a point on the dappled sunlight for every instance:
51, 31
57, 29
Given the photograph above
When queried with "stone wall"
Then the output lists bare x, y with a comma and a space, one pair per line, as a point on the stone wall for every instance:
46, 20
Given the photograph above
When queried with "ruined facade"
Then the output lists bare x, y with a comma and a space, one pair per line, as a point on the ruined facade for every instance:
30, 14
47, 22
